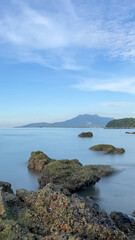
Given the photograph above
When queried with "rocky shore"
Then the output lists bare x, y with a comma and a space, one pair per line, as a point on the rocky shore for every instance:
71, 175
55, 212
48, 214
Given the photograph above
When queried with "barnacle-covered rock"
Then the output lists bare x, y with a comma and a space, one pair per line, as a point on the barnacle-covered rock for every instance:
48, 214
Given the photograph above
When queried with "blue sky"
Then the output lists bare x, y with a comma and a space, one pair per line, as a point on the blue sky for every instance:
61, 58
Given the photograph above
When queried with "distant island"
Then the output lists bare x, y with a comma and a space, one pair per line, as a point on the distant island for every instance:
85, 120
122, 123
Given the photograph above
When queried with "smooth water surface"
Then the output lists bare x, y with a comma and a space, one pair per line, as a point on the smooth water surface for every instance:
116, 192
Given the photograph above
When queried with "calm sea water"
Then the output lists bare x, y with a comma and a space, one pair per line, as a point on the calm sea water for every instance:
116, 192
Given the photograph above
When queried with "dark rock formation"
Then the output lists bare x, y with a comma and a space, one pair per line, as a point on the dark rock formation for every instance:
108, 149
6, 187
38, 160
133, 214
69, 174
86, 134
130, 132
124, 223
48, 214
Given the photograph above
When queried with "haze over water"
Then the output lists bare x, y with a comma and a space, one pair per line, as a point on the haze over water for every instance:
116, 192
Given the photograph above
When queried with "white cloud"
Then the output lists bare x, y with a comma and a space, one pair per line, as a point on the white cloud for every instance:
60, 27
115, 85
117, 104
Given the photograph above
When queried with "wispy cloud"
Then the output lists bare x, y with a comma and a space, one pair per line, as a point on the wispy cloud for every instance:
117, 104
45, 33
115, 85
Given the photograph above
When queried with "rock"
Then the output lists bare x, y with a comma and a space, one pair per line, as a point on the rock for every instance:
100, 170
48, 214
107, 149
69, 174
6, 187
124, 223
38, 160
86, 134
130, 132
2, 204
11, 230
133, 214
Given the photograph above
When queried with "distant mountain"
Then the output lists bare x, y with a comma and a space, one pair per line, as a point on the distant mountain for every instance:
84, 120
122, 123
41, 124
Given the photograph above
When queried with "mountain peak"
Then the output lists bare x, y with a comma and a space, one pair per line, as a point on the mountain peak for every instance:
82, 120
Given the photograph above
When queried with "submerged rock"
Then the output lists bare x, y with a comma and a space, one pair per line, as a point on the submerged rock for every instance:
108, 149
69, 174
86, 134
48, 214
38, 160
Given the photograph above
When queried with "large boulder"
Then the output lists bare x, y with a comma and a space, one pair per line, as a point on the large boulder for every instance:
48, 214
38, 160
69, 174
107, 148
86, 134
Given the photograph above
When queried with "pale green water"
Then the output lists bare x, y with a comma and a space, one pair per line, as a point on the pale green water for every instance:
116, 192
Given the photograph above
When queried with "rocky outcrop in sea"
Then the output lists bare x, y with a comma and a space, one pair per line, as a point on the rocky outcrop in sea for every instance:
53, 212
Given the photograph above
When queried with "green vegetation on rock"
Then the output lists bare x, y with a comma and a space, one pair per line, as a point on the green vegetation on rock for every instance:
86, 134
38, 160
108, 149
101, 170
48, 214
122, 123
70, 174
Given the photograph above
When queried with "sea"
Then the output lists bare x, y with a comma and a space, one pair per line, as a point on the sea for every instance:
113, 193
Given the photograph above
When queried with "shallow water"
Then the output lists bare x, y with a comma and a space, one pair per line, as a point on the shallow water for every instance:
116, 192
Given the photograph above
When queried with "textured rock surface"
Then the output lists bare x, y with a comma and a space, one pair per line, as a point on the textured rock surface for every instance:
86, 134
6, 187
48, 214
124, 223
69, 174
38, 160
108, 149
100, 170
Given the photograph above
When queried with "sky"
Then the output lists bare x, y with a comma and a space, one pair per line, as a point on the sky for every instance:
62, 58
